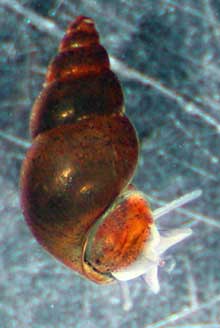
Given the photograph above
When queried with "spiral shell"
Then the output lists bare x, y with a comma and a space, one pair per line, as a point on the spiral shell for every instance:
75, 191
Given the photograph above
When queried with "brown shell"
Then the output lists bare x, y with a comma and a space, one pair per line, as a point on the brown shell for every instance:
84, 151
71, 175
64, 102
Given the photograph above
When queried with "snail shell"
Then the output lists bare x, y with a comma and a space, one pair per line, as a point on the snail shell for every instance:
75, 191
75, 176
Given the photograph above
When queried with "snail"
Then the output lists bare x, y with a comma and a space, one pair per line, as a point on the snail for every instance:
76, 191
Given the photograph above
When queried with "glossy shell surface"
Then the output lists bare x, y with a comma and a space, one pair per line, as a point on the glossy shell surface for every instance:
83, 155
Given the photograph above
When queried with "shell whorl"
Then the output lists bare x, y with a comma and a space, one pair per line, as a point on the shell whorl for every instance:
79, 33
79, 82
80, 53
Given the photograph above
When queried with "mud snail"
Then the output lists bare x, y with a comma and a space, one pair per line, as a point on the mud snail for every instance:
76, 194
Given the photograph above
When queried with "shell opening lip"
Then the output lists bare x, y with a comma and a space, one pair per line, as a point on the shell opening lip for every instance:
89, 271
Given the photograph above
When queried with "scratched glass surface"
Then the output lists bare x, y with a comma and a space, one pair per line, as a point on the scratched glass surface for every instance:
167, 56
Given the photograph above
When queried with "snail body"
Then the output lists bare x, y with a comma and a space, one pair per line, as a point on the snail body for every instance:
76, 194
